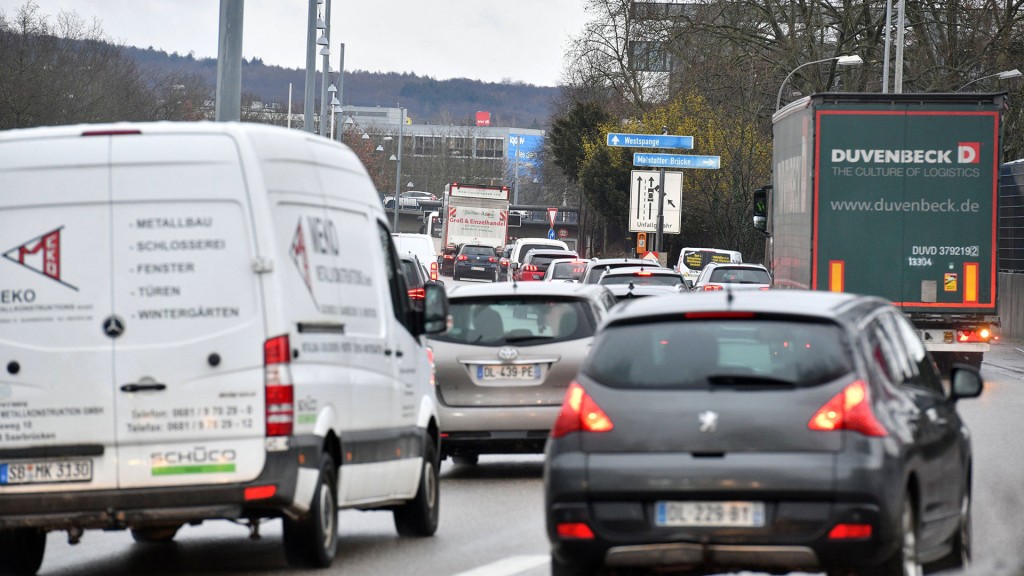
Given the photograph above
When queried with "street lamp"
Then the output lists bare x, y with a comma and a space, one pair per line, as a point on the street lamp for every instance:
846, 60
398, 171
1004, 75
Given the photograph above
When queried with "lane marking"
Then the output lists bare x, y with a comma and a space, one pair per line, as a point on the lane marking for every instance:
508, 566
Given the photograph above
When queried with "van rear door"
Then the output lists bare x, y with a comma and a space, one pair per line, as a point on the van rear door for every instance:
188, 362
56, 402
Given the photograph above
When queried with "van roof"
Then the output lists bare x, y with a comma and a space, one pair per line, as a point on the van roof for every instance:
270, 144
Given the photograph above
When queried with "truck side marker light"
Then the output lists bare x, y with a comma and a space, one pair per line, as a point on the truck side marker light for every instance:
836, 275
971, 282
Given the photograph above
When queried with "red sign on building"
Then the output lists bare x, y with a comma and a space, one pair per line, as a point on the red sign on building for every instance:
483, 118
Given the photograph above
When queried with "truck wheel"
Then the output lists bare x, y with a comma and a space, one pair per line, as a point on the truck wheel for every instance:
21, 550
155, 534
312, 540
419, 516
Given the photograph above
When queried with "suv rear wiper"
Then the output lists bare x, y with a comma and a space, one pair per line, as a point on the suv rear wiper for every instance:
750, 380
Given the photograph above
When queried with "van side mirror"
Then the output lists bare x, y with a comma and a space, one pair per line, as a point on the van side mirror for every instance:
435, 309
761, 208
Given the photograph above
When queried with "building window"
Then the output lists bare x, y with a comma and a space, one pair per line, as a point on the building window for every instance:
490, 147
427, 145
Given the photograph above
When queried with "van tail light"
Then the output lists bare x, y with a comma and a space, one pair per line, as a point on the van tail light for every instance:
433, 368
712, 287
280, 411
580, 413
433, 270
848, 410
417, 293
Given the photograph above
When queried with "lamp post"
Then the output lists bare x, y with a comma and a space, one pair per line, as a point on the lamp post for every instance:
325, 51
1004, 75
312, 25
852, 60
398, 171
335, 104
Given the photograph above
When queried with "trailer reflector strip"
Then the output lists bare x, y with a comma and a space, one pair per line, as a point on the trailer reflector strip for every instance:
836, 275
971, 282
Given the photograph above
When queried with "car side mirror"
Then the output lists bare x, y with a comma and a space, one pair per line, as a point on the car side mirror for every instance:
688, 283
513, 265
966, 381
435, 308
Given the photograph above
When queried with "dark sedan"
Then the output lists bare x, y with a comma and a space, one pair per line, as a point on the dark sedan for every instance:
476, 261
771, 431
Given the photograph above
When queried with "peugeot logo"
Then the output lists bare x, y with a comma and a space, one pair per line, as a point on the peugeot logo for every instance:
708, 421
113, 326
508, 353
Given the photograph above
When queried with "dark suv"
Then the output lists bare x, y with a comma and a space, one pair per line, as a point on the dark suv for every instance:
446, 260
768, 431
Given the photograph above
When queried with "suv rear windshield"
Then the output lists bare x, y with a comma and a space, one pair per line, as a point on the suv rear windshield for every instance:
525, 249
518, 321
707, 353
740, 275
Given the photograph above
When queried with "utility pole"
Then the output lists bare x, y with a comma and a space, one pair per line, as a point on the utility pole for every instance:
228, 106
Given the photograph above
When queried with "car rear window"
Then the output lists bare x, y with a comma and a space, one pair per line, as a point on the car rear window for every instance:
525, 249
518, 321
740, 276
703, 354
568, 270
641, 280
478, 251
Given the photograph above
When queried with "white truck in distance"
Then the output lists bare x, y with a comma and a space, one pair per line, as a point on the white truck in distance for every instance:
475, 214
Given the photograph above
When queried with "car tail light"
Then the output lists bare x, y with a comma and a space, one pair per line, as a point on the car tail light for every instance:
850, 532
643, 274
280, 410
580, 413
712, 287
462, 257
764, 287
492, 259
433, 270
980, 335
848, 410
529, 268
417, 293
449, 256
574, 531
503, 262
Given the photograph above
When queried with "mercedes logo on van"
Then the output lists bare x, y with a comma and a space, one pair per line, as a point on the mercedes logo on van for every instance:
508, 353
113, 326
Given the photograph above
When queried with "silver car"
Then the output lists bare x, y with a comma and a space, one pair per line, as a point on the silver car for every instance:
504, 366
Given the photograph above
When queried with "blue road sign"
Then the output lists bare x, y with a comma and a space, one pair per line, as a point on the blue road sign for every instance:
650, 141
676, 161
551, 233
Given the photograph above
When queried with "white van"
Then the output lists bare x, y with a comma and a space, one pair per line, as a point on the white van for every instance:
419, 245
204, 321
692, 260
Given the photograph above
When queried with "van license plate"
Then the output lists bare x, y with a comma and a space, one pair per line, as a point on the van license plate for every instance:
46, 472
509, 372
717, 514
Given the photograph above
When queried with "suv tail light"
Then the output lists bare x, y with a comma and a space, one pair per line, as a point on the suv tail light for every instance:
580, 413
277, 377
433, 270
848, 410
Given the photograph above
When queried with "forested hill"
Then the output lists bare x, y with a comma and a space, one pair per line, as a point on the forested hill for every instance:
454, 101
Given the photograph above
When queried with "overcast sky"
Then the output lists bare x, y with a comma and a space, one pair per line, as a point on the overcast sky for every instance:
489, 40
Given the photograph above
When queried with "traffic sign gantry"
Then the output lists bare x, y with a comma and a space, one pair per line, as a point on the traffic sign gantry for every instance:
650, 141
676, 161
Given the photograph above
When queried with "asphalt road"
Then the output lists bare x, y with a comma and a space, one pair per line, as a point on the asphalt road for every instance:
492, 516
